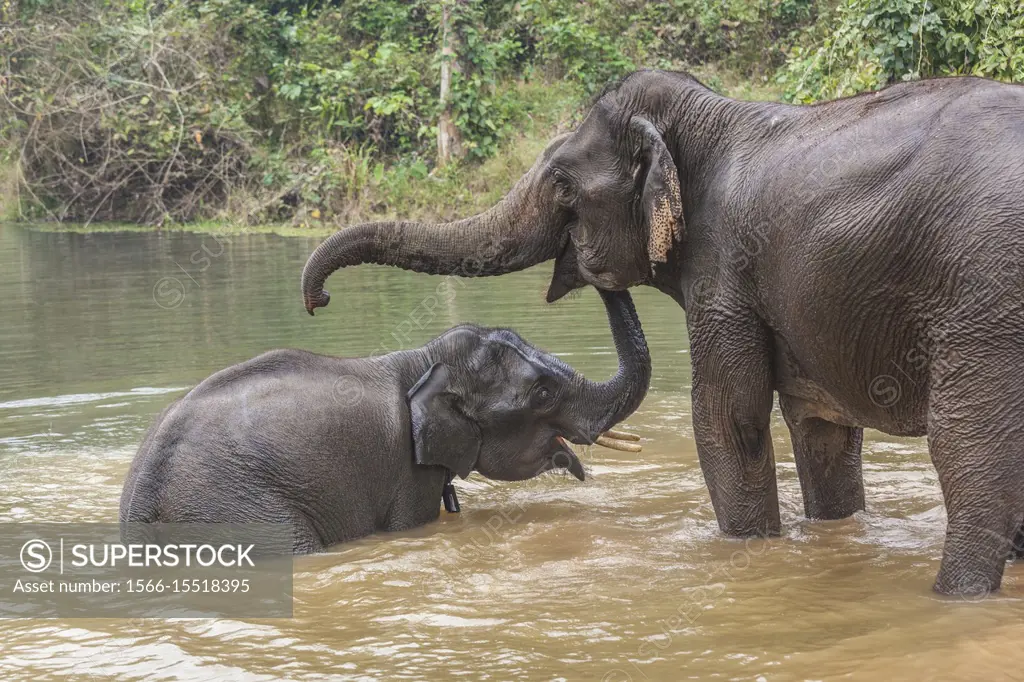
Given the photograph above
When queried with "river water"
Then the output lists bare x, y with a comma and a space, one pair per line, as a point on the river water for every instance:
624, 577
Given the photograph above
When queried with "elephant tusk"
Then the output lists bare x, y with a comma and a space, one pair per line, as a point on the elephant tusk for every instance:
614, 444
621, 435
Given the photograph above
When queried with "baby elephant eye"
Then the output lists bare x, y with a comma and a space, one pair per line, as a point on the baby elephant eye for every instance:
542, 396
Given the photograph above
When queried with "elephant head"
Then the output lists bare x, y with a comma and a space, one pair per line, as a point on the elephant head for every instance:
604, 201
491, 402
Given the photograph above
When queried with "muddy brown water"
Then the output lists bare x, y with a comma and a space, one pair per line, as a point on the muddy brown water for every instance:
624, 577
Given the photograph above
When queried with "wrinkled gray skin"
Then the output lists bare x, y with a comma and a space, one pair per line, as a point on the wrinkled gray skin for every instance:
861, 257
341, 448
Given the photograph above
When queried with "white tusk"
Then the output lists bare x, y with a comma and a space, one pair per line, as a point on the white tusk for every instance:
621, 435
613, 444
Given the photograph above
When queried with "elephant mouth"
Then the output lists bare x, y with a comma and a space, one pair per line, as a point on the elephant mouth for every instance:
566, 277
563, 457
570, 273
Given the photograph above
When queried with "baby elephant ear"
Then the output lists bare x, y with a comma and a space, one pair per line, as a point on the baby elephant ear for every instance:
663, 205
442, 434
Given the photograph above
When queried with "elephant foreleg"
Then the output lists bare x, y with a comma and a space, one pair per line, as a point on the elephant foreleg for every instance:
828, 461
732, 402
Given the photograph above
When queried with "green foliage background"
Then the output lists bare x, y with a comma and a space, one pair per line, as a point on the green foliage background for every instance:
268, 110
866, 44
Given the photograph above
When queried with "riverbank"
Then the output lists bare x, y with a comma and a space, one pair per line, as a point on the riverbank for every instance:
315, 229
401, 191
230, 111
8, 191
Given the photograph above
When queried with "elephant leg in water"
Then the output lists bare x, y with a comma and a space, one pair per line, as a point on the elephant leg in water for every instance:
828, 461
732, 404
974, 407
1018, 544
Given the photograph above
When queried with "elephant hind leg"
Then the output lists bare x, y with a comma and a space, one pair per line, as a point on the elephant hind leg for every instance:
979, 539
977, 447
828, 461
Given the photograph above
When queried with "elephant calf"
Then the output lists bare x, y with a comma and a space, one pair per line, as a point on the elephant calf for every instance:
340, 448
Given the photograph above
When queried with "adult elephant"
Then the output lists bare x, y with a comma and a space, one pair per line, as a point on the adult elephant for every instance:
860, 257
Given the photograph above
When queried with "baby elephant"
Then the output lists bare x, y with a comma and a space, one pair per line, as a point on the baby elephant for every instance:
340, 448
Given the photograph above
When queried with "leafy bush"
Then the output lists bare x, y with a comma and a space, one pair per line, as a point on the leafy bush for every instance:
569, 39
130, 120
870, 43
743, 35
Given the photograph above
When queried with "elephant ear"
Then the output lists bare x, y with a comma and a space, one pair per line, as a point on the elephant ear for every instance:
442, 434
662, 203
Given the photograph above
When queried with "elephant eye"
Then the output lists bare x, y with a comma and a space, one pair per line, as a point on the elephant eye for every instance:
564, 191
542, 395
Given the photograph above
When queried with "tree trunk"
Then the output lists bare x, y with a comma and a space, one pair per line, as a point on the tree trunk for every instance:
448, 143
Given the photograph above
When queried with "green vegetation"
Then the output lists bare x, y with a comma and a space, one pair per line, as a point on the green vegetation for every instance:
866, 44
327, 111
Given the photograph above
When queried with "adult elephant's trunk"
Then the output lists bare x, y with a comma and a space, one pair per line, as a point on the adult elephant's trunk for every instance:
519, 231
608, 403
